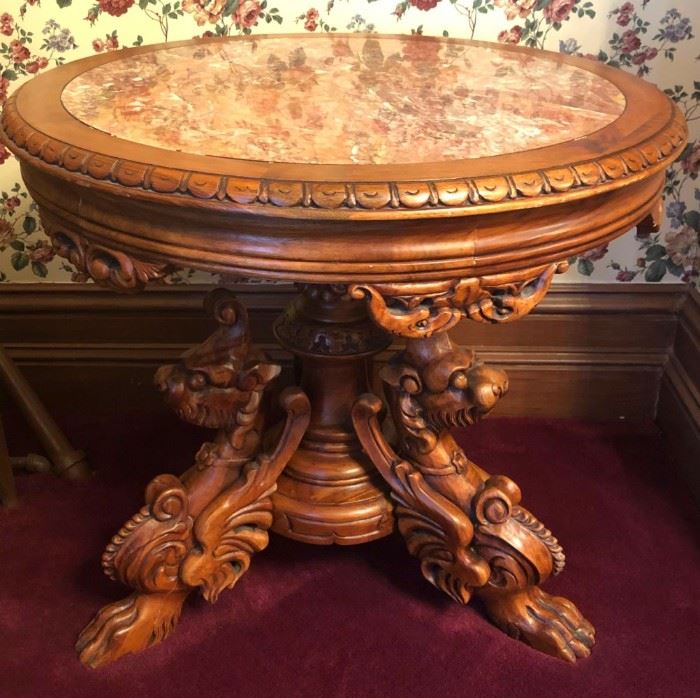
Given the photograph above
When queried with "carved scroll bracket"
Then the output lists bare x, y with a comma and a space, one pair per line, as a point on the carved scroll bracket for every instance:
418, 310
107, 267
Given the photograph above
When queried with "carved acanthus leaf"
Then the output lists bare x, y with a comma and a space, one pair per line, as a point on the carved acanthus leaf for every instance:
107, 267
507, 302
465, 527
234, 525
417, 310
147, 551
439, 534
229, 531
437, 531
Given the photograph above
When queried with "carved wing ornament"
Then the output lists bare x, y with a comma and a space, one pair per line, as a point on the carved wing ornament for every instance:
228, 532
421, 309
466, 528
500, 519
439, 534
234, 525
169, 546
200, 530
162, 531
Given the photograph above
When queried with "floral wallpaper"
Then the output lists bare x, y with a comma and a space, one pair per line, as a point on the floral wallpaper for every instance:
654, 39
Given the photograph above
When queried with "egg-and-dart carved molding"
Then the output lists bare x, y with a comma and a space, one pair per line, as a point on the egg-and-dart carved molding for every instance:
22, 139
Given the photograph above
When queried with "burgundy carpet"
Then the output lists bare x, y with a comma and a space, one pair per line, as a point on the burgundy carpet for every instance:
308, 621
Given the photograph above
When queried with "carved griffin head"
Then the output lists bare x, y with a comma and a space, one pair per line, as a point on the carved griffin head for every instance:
218, 383
442, 389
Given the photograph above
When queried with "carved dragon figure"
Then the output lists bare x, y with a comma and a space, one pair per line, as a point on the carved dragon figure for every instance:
200, 530
465, 526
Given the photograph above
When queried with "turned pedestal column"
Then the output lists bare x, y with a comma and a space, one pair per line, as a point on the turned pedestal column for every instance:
330, 492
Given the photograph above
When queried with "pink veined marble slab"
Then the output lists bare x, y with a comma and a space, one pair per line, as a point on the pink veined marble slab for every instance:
343, 100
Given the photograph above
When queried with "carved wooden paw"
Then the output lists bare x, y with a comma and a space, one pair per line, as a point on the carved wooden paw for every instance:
129, 625
550, 624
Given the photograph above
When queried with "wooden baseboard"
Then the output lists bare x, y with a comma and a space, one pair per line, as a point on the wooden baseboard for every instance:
679, 397
593, 351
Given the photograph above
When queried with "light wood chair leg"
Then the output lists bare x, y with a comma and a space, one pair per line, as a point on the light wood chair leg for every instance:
8, 494
68, 462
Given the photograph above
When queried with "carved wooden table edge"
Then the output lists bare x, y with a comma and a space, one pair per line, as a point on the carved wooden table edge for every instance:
285, 197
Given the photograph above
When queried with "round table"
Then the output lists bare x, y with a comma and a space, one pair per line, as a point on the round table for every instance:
404, 183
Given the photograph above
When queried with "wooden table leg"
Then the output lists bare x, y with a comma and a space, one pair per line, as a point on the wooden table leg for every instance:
199, 530
466, 527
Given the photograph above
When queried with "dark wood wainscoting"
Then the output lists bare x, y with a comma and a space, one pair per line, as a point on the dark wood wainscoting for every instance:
594, 351
679, 396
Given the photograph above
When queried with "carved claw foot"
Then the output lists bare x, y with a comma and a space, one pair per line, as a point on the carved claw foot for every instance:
550, 624
129, 625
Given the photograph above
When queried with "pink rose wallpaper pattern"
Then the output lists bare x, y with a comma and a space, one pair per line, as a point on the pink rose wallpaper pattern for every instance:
651, 38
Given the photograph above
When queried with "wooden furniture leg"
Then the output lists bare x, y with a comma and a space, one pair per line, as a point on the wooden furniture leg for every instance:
8, 493
199, 530
466, 527
67, 461
32, 463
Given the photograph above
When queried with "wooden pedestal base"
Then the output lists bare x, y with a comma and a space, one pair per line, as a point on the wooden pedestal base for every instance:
329, 475
330, 492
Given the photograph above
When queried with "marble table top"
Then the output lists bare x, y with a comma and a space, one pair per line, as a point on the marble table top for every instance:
343, 100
